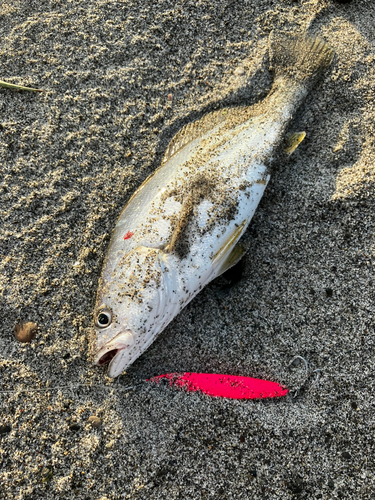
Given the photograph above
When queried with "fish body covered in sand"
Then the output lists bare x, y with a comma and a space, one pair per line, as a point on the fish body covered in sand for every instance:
181, 228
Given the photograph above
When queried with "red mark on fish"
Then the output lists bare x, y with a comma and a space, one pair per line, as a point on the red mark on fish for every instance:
224, 386
128, 235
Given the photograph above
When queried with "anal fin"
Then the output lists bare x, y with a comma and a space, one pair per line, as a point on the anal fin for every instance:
292, 141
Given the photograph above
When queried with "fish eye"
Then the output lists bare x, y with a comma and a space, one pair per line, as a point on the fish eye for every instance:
103, 319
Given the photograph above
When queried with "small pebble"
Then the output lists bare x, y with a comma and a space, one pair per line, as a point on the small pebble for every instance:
67, 403
25, 331
4, 429
296, 487
346, 455
94, 421
329, 292
46, 474
74, 427
170, 97
331, 484
239, 71
328, 438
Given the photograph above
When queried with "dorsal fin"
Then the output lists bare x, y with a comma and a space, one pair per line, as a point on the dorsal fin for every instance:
193, 130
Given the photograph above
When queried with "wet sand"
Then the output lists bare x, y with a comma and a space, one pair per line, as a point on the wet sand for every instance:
72, 156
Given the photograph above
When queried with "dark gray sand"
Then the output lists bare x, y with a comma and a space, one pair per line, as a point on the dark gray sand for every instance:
71, 158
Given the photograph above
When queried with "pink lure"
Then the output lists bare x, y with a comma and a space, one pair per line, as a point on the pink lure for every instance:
225, 386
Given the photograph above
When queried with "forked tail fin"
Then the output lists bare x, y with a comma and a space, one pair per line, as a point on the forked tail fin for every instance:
298, 57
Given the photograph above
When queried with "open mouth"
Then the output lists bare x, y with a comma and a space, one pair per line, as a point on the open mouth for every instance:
108, 356
116, 352
117, 360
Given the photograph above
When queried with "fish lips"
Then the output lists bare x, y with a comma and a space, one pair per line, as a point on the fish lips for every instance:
116, 351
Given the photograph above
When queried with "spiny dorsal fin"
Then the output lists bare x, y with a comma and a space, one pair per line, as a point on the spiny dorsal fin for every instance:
193, 130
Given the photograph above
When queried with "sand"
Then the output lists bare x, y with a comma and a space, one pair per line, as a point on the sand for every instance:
72, 156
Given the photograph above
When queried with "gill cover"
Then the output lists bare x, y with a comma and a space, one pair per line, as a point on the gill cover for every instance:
132, 302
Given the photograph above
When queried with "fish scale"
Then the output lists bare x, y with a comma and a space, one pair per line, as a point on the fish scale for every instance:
180, 229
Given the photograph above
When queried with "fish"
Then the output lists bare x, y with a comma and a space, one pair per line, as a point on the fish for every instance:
181, 228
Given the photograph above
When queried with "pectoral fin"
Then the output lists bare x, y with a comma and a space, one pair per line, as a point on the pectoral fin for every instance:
233, 258
228, 256
292, 141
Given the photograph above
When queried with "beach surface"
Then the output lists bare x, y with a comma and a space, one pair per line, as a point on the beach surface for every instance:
120, 78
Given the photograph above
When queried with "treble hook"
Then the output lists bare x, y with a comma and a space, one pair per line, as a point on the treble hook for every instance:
318, 372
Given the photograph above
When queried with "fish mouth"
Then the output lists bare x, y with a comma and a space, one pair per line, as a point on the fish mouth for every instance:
107, 357
114, 352
121, 360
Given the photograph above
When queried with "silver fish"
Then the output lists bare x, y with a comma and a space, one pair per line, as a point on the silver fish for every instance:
180, 229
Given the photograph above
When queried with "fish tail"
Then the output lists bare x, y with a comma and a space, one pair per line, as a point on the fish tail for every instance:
298, 57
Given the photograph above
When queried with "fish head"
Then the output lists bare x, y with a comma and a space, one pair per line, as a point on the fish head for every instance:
130, 308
